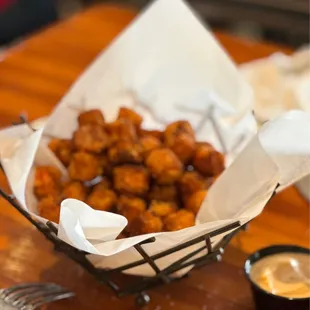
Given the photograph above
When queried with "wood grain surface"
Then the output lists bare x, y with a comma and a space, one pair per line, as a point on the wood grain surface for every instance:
34, 75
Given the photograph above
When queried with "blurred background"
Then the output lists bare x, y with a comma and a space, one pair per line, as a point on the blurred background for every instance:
283, 22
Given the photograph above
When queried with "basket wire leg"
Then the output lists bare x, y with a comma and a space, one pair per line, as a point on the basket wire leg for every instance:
152, 263
142, 299
208, 244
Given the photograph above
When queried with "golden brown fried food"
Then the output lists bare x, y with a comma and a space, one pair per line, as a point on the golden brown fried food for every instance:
125, 152
91, 117
90, 138
134, 117
164, 166
145, 223
167, 170
104, 200
52, 171
130, 207
178, 127
191, 182
49, 208
207, 160
162, 208
154, 133
62, 149
47, 181
121, 129
180, 137
74, 189
163, 192
179, 220
193, 203
84, 167
130, 179
148, 143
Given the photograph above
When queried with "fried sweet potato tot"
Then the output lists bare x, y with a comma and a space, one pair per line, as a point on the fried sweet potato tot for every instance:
156, 179
164, 166
134, 117
145, 223
163, 193
84, 167
149, 143
162, 208
130, 207
104, 200
91, 138
179, 220
178, 127
62, 149
193, 203
125, 152
154, 133
130, 179
47, 181
91, 117
180, 137
191, 182
74, 189
49, 208
207, 160
121, 129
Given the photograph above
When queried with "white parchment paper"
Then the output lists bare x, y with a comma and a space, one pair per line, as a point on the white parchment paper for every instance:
280, 83
166, 66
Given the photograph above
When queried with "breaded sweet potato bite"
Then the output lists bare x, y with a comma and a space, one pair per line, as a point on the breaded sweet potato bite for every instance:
84, 166
180, 137
164, 166
91, 117
207, 160
47, 181
131, 179
179, 220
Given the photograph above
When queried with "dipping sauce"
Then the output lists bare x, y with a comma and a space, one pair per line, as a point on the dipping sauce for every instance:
284, 274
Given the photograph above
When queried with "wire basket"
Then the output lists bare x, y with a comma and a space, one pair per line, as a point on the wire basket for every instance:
140, 285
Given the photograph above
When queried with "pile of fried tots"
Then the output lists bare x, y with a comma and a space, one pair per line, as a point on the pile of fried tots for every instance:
156, 179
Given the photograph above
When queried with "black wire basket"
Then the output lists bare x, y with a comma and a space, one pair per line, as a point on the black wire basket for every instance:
141, 284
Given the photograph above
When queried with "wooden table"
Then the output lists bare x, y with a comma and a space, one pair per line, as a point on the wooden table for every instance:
33, 77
